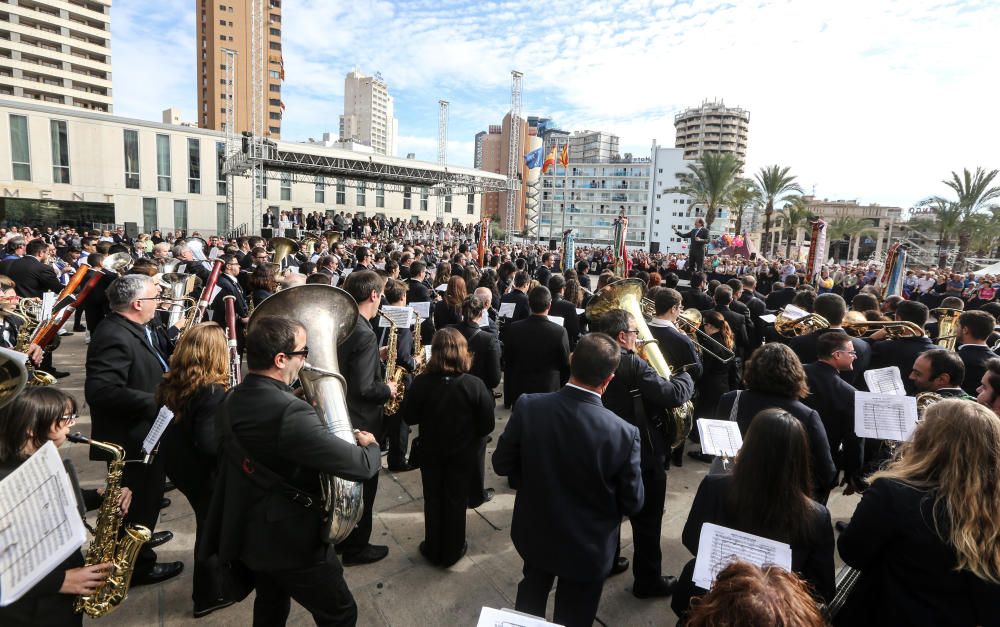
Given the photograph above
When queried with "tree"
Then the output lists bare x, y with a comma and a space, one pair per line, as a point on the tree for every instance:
947, 218
773, 182
974, 192
795, 215
843, 227
743, 196
711, 181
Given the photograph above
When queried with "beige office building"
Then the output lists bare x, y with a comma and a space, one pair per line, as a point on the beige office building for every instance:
368, 117
495, 151
225, 24
712, 127
57, 52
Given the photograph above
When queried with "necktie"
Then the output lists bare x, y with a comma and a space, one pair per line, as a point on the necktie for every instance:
149, 336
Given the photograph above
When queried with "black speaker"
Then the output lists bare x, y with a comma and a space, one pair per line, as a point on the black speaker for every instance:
267, 233
131, 230
654, 247
292, 233
552, 244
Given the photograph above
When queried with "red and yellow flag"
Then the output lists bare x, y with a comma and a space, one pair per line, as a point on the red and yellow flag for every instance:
550, 160
564, 156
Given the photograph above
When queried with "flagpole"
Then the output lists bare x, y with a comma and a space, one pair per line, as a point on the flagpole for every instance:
565, 186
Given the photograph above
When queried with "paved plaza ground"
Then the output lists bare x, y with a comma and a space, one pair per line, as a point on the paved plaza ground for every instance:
403, 589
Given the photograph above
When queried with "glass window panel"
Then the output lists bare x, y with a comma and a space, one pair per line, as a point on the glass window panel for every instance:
360, 197
60, 152
221, 218
220, 164
194, 165
181, 215
163, 163
424, 199
20, 153
380, 194
149, 217
447, 203
407, 198
471, 205
131, 159
286, 185
319, 195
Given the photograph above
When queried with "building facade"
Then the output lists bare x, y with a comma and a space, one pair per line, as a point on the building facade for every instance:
225, 25
495, 151
62, 166
584, 146
477, 158
57, 52
712, 127
368, 113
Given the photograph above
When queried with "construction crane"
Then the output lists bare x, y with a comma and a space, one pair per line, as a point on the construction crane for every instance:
513, 154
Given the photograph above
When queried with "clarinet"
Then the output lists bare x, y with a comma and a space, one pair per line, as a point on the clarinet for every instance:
234, 353
206, 293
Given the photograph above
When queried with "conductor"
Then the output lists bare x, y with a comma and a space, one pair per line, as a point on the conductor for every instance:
696, 252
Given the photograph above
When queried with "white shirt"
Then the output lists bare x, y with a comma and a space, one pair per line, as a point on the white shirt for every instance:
660, 322
570, 385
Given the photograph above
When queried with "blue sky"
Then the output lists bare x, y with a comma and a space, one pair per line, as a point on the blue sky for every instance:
870, 99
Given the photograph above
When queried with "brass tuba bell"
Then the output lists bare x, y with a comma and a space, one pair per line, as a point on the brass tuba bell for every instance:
332, 237
282, 247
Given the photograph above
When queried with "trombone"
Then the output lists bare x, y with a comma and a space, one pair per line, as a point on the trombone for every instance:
855, 324
689, 321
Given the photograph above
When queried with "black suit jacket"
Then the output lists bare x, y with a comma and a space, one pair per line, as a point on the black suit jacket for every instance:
521, 308
577, 465
737, 324
805, 347
974, 357
454, 414
367, 392
122, 374
910, 571
536, 357
833, 398
543, 273
228, 287
32, 278
677, 349
571, 320
781, 298
264, 528
485, 349
418, 292
901, 352
696, 299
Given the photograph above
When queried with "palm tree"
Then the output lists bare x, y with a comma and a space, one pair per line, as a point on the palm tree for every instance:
974, 192
773, 182
744, 196
711, 181
843, 227
795, 215
948, 218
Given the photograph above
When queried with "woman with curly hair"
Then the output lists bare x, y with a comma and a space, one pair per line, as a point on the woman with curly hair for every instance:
192, 389
926, 534
774, 378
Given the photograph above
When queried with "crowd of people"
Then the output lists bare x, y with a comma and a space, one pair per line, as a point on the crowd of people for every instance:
593, 432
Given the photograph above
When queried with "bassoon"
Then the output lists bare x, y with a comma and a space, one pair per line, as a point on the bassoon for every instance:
234, 352
206, 293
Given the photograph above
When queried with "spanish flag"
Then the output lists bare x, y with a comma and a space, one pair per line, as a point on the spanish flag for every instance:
550, 161
564, 156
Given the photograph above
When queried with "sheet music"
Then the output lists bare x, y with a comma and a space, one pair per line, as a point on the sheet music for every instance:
719, 546
558, 320
442, 288
427, 353
335, 280
580, 312
484, 320
507, 310
720, 437
39, 523
160, 425
490, 617
794, 313
216, 290
181, 268
215, 252
402, 316
885, 381
884, 416
423, 309
48, 303
768, 318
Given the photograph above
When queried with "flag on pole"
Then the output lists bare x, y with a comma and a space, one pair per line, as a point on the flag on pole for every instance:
533, 159
550, 161
564, 156
622, 263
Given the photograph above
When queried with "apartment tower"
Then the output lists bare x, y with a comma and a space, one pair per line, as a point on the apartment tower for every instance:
493, 148
712, 127
57, 52
225, 24
368, 113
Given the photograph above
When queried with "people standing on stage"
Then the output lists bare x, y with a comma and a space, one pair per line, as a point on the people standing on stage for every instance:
925, 534
124, 368
578, 468
699, 236
974, 328
266, 526
536, 351
359, 357
941, 371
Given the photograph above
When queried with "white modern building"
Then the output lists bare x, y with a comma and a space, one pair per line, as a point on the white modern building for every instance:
60, 165
712, 127
368, 113
56, 52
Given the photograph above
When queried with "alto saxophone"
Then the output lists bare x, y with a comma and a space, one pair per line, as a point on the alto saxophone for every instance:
106, 546
418, 345
393, 372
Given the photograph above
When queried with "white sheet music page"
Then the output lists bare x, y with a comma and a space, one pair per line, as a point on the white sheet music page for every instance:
507, 310
720, 437
423, 309
794, 313
402, 316
490, 617
884, 416
720, 546
768, 318
40, 525
885, 381
160, 425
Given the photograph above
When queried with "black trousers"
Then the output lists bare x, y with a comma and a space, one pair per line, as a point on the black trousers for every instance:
576, 601
146, 483
196, 483
477, 485
647, 556
696, 262
446, 483
358, 539
397, 436
320, 589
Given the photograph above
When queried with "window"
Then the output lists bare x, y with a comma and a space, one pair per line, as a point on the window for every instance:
319, 195
163, 163
286, 185
274, 130
274, 88
274, 102
194, 165
220, 166
447, 203
424, 199
131, 159
221, 218
181, 215
149, 219
407, 198
341, 192
274, 115
380, 194
261, 188
471, 206
19, 151
60, 152
360, 198
276, 32
275, 74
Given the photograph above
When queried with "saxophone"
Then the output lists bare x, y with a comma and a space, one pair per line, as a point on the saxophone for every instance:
418, 345
106, 546
393, 372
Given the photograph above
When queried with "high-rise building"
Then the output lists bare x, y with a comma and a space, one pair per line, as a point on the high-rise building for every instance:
495, 151
477, 160
57, 52
712, 127
225, 24
368, 113
584, 146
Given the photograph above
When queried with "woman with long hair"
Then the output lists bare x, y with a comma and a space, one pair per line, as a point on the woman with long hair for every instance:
262, 283
455, 411
193, 388
767, 494
442, 273
926, 534
717, 378
448, 310
34, 417
774, 378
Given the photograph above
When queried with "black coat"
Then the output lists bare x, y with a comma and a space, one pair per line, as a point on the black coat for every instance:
833, 398
909, 575
737, 324
264, 528
677, 349
485, 349
805, 347
190, 444
577, 465
781, 298
32, 278
974, 357
122, 374
418, 292
95, 308
901, 353
367, 392
444, 315
696, 299
571, 320
543, 274
536, 357
520, 300
454, 413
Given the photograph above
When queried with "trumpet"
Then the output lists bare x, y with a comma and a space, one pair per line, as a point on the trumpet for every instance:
787, 326
855, 324
689, 321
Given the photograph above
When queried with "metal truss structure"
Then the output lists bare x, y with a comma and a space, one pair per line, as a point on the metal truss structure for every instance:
442, 150
513, 154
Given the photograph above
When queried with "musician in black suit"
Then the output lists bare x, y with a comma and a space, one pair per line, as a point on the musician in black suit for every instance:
676, 346
941, 371
123, 370
974, 327
397, 434
32, 275
536, 351
518, 295
695, 297
417, 290
902, 352
274, 528
738, 323
833, 308
564, 309
833, 398
647, 413
367, 392
229, 286
699, 236
779, 299
544, 271
565, 521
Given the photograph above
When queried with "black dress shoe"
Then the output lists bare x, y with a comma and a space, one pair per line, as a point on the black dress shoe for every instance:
204, 609
702, 457
169, 486
79, 328
165, 503
401, 468
840, 526
621, 565
662, 588
59, 374
368, 555
160, 537
488, 495
159, 572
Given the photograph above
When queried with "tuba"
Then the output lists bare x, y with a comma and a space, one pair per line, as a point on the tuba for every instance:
947, 326
925, 400
282, 247
308, 245
626, 294
329, 315
177, 286
332, 237
118, 263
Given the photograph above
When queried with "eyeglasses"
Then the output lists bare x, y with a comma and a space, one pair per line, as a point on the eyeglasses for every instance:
304, 352
851, 353
636, 331
68, 421
152, 298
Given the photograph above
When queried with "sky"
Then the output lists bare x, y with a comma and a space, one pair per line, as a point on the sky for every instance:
874, 100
